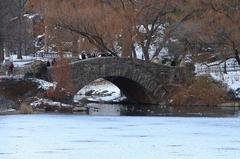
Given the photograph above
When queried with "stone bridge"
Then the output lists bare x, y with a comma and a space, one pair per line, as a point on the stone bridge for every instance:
141, 81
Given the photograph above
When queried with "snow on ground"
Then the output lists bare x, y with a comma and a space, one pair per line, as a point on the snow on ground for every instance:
100, 90
8, 110
25, 61
31, 16
15, 77
231, 78
42, 101
45, 85
216, 66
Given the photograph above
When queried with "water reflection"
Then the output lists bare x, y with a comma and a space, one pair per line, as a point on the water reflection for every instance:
104, 109
154, 110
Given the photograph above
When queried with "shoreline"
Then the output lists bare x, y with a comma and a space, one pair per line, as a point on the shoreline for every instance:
85, 111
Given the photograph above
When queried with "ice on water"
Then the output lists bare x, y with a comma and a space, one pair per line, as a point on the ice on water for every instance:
95, 137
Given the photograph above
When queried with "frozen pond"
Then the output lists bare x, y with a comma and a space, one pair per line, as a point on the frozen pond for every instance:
51, 136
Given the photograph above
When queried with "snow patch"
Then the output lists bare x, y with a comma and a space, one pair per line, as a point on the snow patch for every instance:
231, 79
99, 91
216, 68
49, 102
45, 85
24, 62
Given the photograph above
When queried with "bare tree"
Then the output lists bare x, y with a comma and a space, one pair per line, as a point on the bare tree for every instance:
120, 27
20, 13
116, 27
13, 25
216, 26
4, 21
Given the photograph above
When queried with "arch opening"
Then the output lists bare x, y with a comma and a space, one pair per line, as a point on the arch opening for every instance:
134, 92
113, 89
99, 90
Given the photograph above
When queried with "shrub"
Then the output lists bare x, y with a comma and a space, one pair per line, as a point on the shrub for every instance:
25, 108
58, 94
38, 70
201, 91
62, 74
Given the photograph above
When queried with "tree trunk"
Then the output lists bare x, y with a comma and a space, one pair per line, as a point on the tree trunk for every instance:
145, 52
7, 53
126, 45
46, 40
19, 54
156, 53
225, 67
126, 51
75, 45
237, 56
134, 54
1, 52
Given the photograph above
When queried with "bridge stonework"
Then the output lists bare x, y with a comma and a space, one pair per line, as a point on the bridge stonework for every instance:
140, 81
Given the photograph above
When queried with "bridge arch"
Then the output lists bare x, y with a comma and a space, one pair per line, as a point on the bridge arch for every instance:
140, 81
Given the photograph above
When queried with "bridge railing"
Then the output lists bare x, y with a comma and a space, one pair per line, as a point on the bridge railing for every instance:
217, 69
52, 54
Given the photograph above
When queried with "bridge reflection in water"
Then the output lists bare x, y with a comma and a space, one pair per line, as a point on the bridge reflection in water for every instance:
153, 110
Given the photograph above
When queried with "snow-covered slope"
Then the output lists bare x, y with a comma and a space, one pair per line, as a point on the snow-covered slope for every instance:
231, 78
100, 90
45, 85
25, 61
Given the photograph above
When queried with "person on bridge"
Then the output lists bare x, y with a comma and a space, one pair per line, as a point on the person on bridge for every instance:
48, 64
10, 68
83, 56
54, 61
